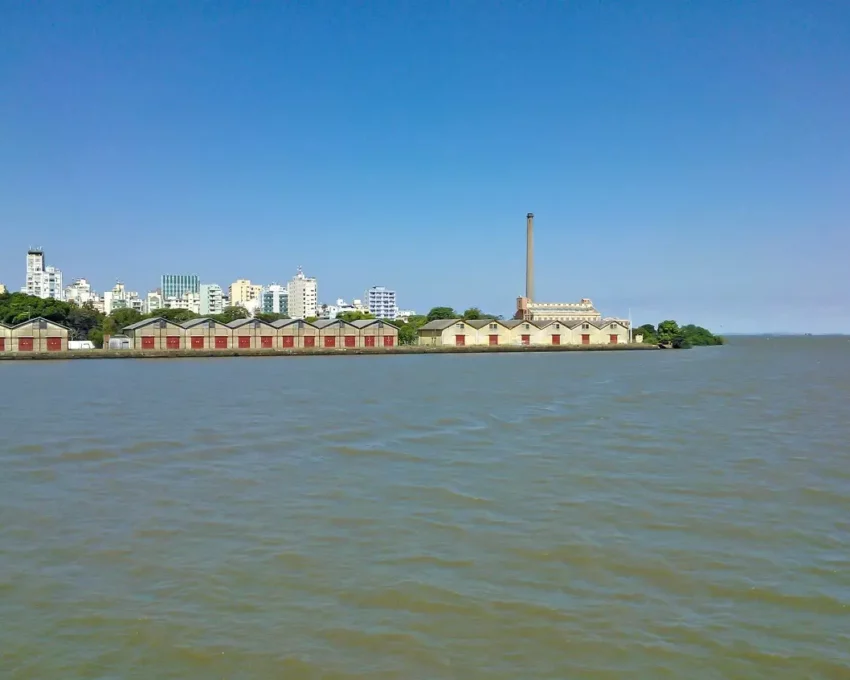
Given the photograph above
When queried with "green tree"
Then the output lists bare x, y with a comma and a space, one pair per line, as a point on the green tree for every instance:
96, 336
417, 321
82, 320
472, 314
650, 337
442, 313
668, 331
311, 319
354, 316
268, 317
176, 315
231, 314
118, 320
407, 335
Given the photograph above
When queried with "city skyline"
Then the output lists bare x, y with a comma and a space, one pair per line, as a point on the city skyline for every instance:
680, 161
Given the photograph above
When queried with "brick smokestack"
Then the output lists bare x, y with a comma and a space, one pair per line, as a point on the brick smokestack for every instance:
529, 256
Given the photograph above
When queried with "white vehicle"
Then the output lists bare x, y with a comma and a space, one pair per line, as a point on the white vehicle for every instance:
80, 344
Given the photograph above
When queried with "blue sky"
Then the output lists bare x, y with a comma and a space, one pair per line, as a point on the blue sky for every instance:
685, 160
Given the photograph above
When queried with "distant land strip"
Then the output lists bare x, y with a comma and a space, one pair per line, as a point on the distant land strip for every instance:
329, 352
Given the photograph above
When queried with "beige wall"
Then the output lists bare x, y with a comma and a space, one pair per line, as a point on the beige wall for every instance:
43, 337
5, 334
160, 336
209, 335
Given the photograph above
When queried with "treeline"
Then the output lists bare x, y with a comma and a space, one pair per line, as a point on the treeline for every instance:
679, 337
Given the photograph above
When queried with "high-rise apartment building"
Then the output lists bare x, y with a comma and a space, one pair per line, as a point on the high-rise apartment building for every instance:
80, 292
212, 299
303, 296
175, 285
243, 293
382, 302
275, 300
42, 281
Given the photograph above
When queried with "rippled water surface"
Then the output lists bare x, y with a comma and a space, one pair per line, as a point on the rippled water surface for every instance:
613, 515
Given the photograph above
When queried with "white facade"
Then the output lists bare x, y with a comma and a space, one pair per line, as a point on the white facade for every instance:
341, 306
190, 301
275, 299
153, 302
42, 281
80, 292
303, 296
382, 302
121, 298
2, 289
212, 299
405, 314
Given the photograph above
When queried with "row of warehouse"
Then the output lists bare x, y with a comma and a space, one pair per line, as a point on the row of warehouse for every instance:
460, 332
204, 334
42, 335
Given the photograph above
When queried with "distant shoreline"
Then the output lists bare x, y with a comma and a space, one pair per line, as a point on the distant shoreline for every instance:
378, 351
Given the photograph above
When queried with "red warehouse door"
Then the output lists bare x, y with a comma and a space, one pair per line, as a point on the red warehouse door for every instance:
612, 339
309, 341
350, 341
494, 339
147, 342
288, 341
172, 342
197, 343
526, 339
2, 344
330, 341
370, 340
460, 340
266, 342
25, 344
221, 343
54, 344
556, 339
585, 339
389, 341
244, 342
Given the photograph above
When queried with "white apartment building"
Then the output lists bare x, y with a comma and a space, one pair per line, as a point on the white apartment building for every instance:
382, 302
405, 314
212, 299
341, 306
242, 293
154, 301
42, 281
121, 298
275, 299
80, 292
189, 300
303, 296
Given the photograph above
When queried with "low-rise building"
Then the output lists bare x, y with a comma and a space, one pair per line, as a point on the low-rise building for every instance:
337, 333
491, 332
295, 333
201, 334
376, 333
156, 334
253, 334
34, 335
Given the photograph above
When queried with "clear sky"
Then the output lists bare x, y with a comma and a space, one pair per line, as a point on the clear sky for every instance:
686, 160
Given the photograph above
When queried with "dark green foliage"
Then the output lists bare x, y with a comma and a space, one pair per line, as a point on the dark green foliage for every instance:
229, 314
670, 333
268, 317
442, 313
354, 316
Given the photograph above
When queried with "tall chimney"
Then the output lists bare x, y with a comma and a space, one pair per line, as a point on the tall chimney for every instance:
529, 256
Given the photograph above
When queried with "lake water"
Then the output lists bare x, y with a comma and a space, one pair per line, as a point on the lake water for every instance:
602, 515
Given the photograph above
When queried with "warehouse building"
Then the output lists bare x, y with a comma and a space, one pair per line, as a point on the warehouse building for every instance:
295, 333
253, 334
207, 334
492, 332
376, 333
156, 334
34, 335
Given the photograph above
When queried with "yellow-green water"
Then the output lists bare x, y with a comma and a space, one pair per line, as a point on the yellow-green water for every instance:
624, 515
